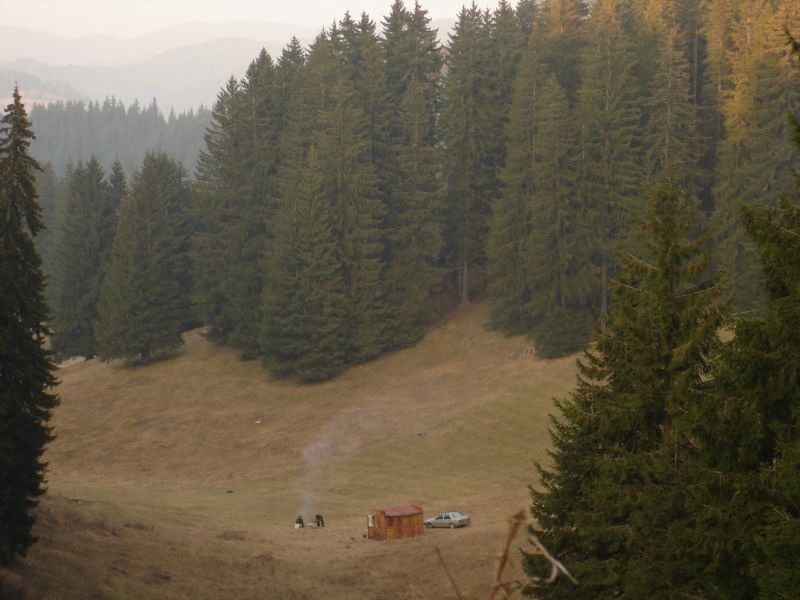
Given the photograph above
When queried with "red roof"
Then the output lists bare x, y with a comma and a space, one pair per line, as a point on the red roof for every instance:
400, 510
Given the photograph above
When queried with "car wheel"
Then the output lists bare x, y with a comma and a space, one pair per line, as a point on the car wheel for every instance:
428, 525
452, 525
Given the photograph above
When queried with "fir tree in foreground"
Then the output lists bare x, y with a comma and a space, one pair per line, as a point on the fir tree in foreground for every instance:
26, 371
143, 304
758, 464
612, 506
774, 380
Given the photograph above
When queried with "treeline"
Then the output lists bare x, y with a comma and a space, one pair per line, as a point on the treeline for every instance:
349, 191
74, 131
534, 141
117, 260
676, 464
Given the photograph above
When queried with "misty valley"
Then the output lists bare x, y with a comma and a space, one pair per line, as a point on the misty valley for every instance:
500, 305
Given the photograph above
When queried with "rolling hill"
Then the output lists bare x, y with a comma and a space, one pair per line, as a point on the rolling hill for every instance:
182, 479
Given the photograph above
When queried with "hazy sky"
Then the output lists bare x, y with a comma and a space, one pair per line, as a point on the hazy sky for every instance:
128, 18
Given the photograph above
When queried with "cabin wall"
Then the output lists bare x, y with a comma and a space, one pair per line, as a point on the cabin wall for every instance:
392, 528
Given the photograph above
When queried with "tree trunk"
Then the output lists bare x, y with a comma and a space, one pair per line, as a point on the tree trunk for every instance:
464, 279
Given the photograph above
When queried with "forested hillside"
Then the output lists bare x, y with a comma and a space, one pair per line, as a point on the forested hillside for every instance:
349, 191
618, 171
72, 132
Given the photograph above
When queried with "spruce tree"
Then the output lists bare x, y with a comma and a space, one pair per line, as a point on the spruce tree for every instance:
26, 369
413, 275
755, 155
143, 303
507, 43
364, 67
609, 170
234, 203
769, 377
84, 240
471, 170
218, 175
613, 504
413, 236
671, 127
47, 188
305, 310
755, 498
117, 184
557, 256
350, 184
563, 22
510, 227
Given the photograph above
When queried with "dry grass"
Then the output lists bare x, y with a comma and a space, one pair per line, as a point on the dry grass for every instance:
182, 479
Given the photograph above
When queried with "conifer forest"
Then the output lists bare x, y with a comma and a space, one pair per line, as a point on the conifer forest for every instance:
349, 192
613, 177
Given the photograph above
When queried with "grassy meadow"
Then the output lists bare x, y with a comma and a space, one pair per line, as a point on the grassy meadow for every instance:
182, 479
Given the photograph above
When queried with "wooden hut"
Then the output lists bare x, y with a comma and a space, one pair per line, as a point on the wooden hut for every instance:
393, 522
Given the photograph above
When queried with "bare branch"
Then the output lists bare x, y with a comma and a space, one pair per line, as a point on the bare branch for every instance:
514, 523
556, 567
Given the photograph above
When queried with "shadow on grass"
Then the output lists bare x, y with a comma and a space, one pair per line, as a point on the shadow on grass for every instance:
153, 358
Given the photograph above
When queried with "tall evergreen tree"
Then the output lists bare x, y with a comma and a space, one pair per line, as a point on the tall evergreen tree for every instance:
671, 126
528, 14
470, 168
117, 184
412, 274
507, 42
413, 56
234, 202
755, 154
609, 169
143, 304
541, 281
84, 240
215, 191
562, 281
563, 22
47, 188
510, 227
305, 316
365, 69
756, 466
612, 507
413, 236
770, 372
350, 183
26, 370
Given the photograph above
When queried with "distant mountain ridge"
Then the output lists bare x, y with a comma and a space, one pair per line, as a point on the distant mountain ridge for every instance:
182, 67
103, 50
181, 78
34, 89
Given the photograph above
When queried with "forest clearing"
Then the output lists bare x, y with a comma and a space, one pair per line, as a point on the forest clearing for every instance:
182, 479
357, 286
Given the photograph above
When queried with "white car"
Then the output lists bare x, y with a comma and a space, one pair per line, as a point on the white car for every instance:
451, 519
